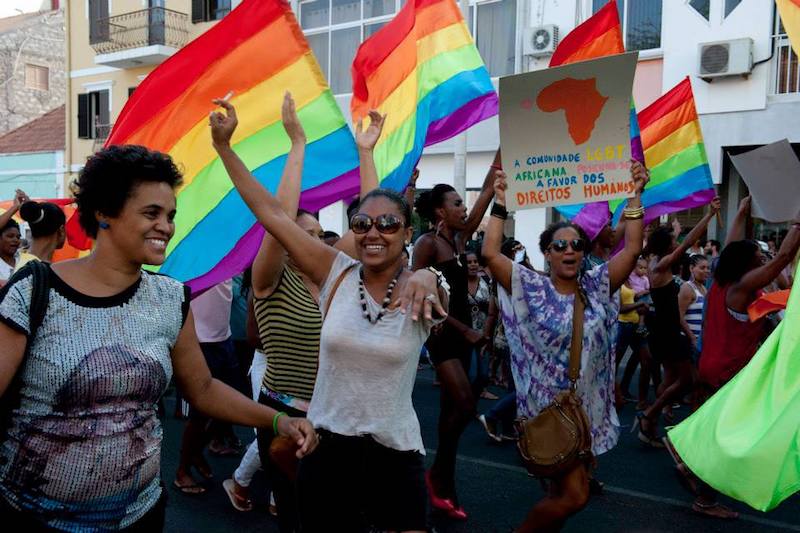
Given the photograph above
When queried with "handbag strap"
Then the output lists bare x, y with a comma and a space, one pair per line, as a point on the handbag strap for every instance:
335, 288
576, 346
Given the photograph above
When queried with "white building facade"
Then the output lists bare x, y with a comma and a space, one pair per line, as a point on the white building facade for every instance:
756, 107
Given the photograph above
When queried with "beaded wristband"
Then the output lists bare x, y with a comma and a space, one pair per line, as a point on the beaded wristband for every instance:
275, 422
499, 211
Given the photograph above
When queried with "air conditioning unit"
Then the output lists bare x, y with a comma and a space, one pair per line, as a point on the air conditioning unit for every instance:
725, 58
539, 41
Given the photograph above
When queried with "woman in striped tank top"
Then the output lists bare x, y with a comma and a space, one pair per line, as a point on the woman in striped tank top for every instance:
691, 298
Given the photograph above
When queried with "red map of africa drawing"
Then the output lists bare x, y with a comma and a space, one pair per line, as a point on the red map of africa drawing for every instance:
581, 102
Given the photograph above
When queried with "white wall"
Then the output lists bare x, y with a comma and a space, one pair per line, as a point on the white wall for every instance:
684, 30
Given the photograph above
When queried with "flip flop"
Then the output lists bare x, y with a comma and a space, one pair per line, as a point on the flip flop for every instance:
707, 510
239, 503
193, 489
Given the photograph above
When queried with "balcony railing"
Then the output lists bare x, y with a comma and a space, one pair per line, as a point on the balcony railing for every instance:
138, 29
101, 133
787, 71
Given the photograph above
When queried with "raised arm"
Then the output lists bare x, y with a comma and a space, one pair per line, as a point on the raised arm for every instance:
411, 188
19, 198
741, 294
310, 254
366, 141
484, 199
666, 262
737, 229
500, 265
621, 265
271, 258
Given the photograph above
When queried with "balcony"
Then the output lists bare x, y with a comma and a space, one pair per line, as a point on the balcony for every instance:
101, 133
145, 37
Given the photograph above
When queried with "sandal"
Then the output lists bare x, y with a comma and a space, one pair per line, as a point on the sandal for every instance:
714, 510
222, 450
686, 477
646, 436
193, 489
240, 503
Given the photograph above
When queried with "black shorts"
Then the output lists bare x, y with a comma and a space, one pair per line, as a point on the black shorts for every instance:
449, 344
354, 484
670, 348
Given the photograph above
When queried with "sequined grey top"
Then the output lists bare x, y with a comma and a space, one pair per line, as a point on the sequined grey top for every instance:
83, 448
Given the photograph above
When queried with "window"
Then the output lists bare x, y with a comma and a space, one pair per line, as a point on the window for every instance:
641, 22
730, 5
206, 10
98, 21
787, 73
37, 77
94, 114
494, 29
703, 7
336, 28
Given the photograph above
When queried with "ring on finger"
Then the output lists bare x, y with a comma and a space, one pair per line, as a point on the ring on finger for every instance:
431, 297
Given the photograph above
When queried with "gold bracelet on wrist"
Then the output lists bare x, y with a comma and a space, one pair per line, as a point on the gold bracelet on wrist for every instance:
633, 213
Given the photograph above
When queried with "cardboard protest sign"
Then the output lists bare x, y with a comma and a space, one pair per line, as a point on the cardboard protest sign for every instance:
565, 133
772, 173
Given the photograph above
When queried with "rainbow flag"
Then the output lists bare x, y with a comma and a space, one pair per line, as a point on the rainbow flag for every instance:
598, 36
790, 16
423, 70
680, 177
258, 51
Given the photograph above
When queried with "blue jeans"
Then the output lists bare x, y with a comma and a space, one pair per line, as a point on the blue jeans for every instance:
504, 411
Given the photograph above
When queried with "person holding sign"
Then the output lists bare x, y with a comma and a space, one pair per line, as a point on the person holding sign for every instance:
537, 312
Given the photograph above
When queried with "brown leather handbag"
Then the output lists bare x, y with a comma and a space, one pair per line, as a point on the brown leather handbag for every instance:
559, 437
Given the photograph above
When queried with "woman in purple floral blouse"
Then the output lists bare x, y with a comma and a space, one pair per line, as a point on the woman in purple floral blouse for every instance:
537, 314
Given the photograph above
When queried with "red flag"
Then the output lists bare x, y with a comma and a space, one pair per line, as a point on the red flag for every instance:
600, 35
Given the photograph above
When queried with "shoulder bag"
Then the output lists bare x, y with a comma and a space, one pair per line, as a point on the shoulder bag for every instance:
559, 437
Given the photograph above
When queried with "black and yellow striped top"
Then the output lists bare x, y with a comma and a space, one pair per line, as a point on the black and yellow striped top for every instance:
289, 323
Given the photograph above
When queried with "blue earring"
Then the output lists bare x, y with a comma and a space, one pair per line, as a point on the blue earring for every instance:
104, 225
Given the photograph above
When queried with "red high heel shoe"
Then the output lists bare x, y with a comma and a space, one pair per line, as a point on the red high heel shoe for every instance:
443, 504
458, 514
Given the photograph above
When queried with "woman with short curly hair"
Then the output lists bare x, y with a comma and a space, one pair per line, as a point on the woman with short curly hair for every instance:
83, 449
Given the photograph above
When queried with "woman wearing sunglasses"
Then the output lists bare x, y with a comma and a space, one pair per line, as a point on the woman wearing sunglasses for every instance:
452, 346
286, 308
368, 471
537, 312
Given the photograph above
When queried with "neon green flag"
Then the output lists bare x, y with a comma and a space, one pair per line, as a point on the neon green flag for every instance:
745, 440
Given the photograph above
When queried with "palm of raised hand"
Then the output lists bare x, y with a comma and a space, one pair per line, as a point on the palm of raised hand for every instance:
368, 138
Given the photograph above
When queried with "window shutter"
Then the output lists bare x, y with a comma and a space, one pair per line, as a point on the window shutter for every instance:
83, 116
103, 113
199, 11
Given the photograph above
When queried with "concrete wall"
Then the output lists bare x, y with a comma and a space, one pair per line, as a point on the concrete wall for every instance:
38, 40
39, 174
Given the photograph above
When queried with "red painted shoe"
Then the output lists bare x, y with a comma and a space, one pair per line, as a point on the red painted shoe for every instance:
443, 504
458, 514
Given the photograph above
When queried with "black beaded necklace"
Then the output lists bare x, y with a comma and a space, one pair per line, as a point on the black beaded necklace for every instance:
362, 293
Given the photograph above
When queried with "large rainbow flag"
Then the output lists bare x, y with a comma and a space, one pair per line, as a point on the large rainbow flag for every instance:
745, 440
598, 36
680, 177
423, 70
259, 52
790, 17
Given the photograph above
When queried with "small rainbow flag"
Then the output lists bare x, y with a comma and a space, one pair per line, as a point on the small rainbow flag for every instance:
423, 70
790, 17
259, 52
680, 177
598, 36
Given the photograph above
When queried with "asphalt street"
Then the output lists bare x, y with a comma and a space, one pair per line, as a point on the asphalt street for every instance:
642, 493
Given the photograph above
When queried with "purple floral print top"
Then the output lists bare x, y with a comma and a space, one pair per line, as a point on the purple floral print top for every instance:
538, 324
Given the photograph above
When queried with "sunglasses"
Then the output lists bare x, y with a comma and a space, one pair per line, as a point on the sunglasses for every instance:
560, 245
387, 224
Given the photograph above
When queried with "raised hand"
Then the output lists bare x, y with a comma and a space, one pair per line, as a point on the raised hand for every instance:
640, 176
223, 125
366, 139
20, 197
744, 204
715, 205
412, 181
500, 185
294, 129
